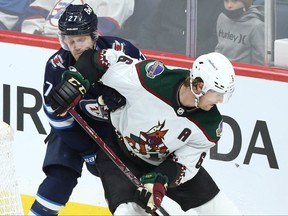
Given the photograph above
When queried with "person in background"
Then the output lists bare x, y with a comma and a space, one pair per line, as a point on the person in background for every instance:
12, 13
43, 15
68, 145
240, 32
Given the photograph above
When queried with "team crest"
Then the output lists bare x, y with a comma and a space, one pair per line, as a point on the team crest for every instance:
150, 143
94, 110
154, 69
57, 61
118, 46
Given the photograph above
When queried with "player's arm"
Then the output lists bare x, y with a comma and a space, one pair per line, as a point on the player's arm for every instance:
73, 87
168, 174
64, 126
90, 67
92, 64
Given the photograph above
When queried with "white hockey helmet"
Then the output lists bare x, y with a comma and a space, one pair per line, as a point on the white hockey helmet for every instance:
217, 74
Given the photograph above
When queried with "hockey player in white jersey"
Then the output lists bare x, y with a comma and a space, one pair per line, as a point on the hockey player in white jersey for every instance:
165, 130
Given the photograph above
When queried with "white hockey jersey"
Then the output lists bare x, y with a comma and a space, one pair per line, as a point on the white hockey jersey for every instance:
153, 124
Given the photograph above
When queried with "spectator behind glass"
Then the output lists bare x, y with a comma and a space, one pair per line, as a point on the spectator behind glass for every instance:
44, 15
165, 29
11, 13
240, 32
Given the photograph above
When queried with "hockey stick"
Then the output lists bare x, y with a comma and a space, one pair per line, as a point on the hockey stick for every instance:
111, 154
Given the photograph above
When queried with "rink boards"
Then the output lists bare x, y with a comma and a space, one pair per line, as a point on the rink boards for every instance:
249, 165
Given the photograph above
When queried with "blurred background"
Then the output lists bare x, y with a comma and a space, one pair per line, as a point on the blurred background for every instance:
186, 27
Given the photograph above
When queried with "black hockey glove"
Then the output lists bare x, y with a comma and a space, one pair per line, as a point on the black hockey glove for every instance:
150, 197
92, 64
68, 93
111, 98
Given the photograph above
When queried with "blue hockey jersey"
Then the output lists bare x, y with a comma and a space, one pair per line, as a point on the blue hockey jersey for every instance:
67, 127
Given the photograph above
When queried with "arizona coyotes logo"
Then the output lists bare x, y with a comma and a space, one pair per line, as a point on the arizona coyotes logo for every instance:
150, 143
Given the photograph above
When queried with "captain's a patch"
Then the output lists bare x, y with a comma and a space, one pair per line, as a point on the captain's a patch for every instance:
154, 69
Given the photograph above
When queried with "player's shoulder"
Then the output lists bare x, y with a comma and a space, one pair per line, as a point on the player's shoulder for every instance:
60, 59
111, 39
210, 122
113, 42
153, 68
120, 44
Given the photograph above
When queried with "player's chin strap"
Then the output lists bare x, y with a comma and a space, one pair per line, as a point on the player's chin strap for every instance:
112, 155
197, 96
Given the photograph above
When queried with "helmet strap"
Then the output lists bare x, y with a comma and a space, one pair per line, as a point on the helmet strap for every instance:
196, 101
197, 96
94, 37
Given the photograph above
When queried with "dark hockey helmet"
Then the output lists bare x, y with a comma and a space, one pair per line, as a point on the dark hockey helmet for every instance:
78, 20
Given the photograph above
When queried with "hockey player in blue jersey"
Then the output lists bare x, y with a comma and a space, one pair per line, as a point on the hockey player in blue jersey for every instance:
68, 145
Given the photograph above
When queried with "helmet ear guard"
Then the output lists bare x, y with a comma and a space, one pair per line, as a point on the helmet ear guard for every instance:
216, 72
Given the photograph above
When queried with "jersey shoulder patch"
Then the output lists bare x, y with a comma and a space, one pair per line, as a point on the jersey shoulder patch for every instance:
61, 59
154, 68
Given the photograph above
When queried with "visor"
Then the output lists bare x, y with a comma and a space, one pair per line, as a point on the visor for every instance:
62, 43
216, 97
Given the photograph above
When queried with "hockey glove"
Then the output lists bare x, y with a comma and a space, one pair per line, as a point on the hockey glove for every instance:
150, 197
111, 98
68, 93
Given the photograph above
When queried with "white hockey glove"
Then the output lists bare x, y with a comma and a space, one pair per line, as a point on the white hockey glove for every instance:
151, 195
